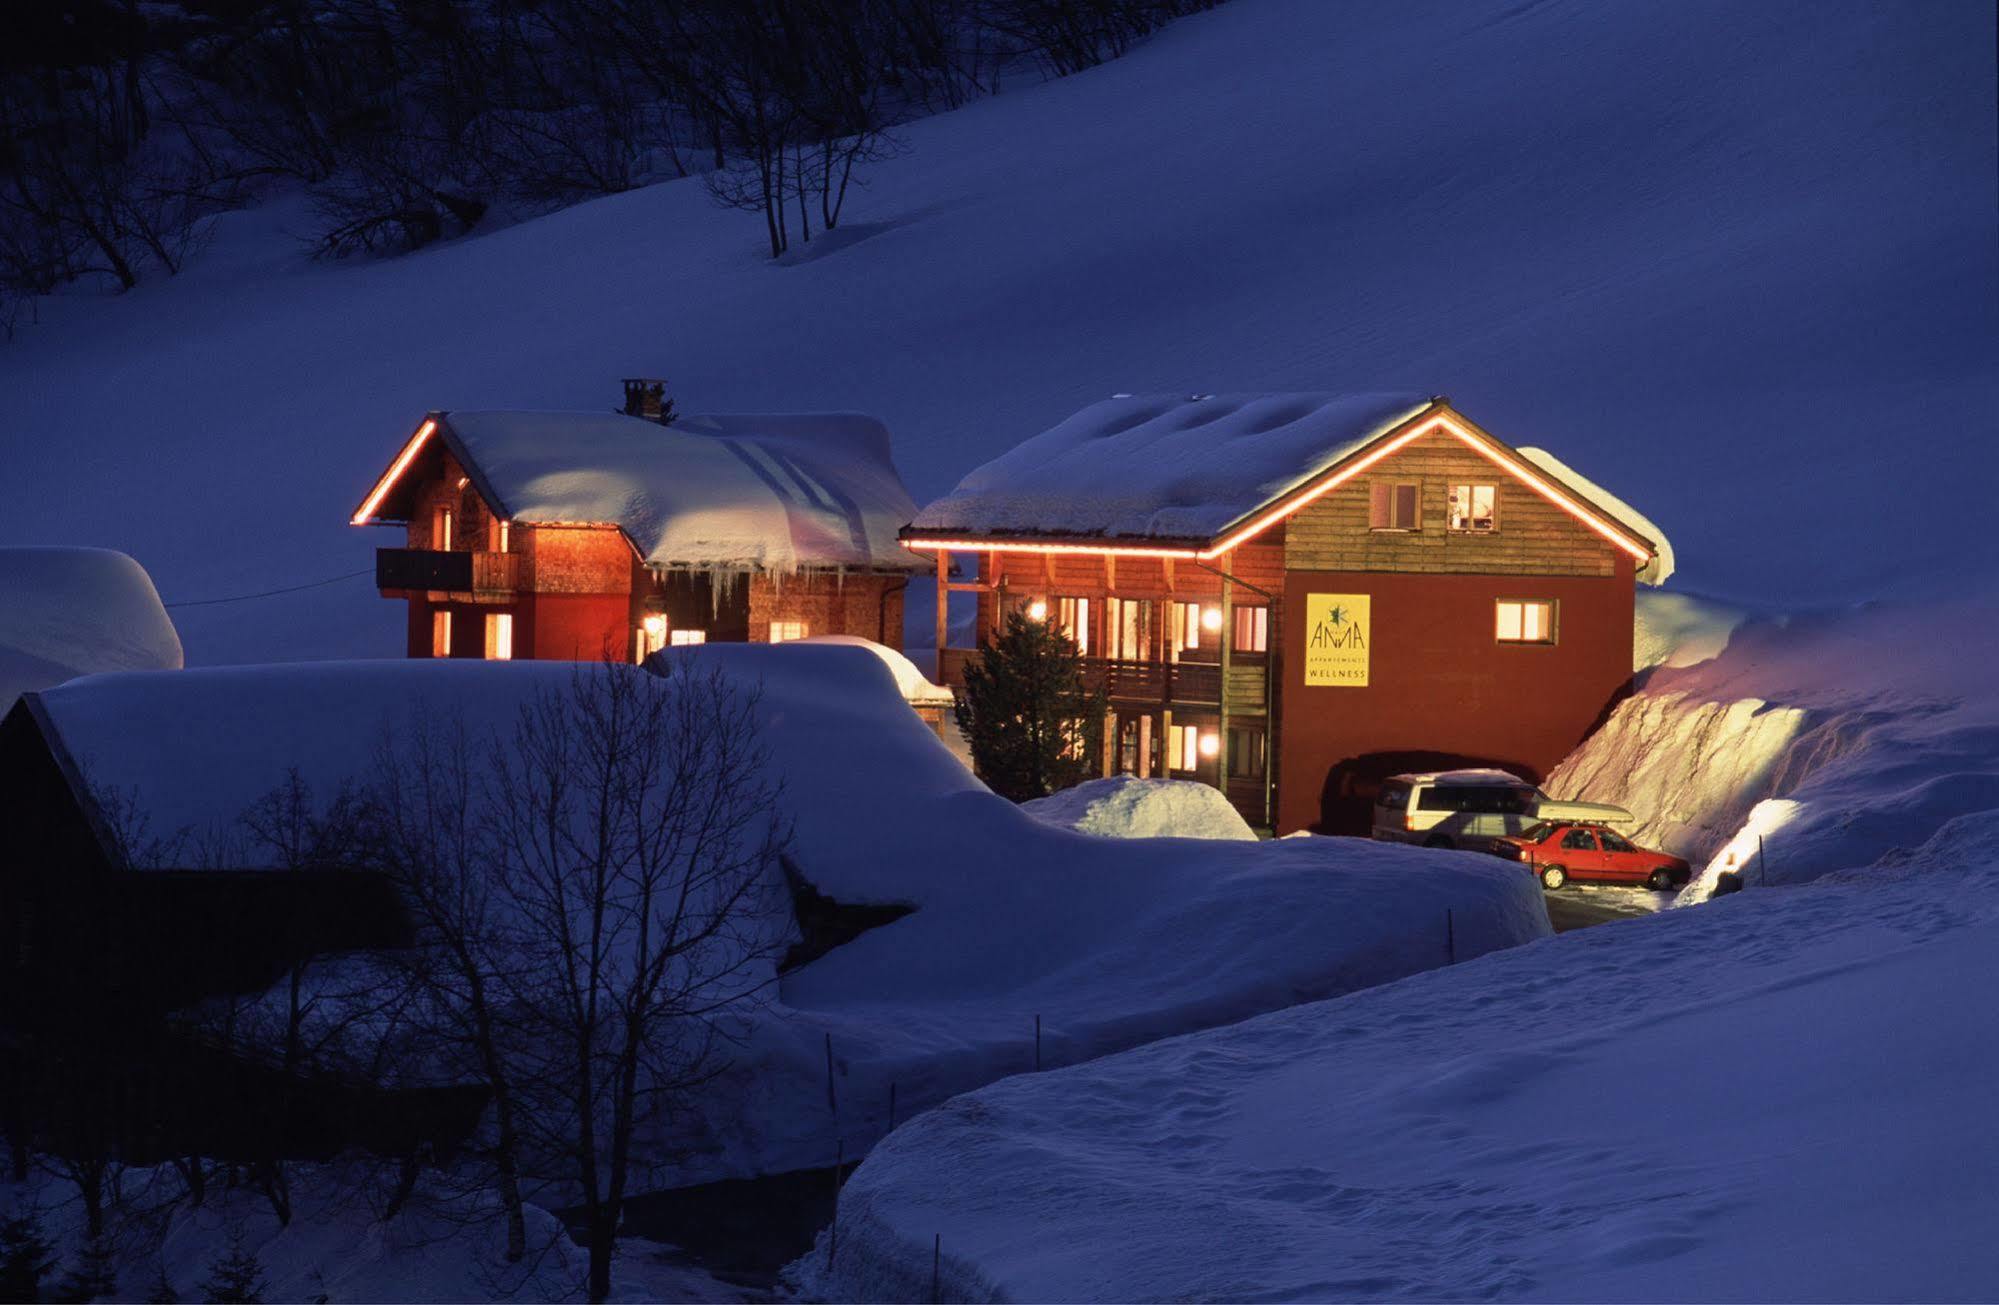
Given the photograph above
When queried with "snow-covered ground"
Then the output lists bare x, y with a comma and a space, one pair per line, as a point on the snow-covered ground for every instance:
1125, 807
1833, 736
1783, 1095
338, 1246
74, 611
1107, 942
1733, 261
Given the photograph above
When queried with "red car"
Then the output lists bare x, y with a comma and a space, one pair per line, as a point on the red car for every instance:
1561, 850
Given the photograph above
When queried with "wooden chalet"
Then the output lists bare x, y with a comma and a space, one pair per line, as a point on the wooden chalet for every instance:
1291, 596
576, 535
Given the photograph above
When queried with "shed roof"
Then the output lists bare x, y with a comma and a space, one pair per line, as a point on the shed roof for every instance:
771, 492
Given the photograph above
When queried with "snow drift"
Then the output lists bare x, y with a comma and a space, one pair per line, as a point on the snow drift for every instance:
73, 611
1125, 807
1105, 942
1766, 1101
1811, 742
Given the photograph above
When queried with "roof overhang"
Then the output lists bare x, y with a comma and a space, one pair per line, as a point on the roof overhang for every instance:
1439, 417
435, 429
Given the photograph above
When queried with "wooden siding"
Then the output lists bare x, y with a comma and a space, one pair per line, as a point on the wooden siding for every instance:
1247, 683
1532, 536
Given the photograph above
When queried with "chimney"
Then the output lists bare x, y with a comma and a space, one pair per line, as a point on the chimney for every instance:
646, 398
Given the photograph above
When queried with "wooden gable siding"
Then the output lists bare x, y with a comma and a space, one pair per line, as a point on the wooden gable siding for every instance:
1532, 535
576, 559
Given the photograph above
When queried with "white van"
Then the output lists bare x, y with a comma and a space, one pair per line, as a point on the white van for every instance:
1468, 809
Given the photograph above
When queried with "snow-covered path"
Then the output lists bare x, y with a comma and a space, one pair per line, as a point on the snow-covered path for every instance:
1784, 1094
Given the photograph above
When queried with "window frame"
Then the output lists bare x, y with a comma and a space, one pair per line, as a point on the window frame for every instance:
440, 632
1471, 489
1259, 614
1554, 637
1072, 614
1386, 491
1259, 758
499, 636
804, 629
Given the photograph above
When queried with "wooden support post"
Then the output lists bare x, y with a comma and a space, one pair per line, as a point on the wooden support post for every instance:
1166, 742
943, 608
1145, 746
1225, 637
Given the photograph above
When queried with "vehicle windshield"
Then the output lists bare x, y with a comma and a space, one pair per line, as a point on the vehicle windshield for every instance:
1479, 799
1538, 833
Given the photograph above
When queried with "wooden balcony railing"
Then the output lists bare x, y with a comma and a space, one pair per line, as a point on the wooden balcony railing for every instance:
1125, 681
452, 572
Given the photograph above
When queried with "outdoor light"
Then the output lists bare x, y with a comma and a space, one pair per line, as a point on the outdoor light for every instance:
655, 627
1211, 618
1211, 744
1037, 610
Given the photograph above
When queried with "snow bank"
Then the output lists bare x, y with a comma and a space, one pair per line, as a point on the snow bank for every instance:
1801, 1119
1124, 807
914, 685
1110, 942
1680, 629
1835, 736
72, 611
775, 492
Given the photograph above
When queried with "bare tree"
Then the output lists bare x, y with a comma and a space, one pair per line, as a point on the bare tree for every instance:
636, 841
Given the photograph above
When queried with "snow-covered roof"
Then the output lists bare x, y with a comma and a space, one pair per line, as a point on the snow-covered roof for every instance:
1660, 568
773, 492
74, 611
1164, 466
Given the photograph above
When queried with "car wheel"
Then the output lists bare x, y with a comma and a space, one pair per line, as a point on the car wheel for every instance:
1439, 841
1553, 877
1661, 880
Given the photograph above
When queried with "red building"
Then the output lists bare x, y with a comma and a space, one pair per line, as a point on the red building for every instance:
573, 535
1293, 596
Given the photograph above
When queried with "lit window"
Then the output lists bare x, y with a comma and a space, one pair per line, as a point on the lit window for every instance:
1183, 748
440, 634
1472, 507
440, 530
1186, 625
1128, 629
786, 631
1524, 622
496, 535
499, 636
1252, 629
682, 638
1073, 616
1393, 506
652, 635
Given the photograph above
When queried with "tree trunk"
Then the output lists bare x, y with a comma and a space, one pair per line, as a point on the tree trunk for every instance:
603, 1238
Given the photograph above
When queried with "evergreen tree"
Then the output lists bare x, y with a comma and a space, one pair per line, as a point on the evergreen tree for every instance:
93, 1275
1034, 725
237, 1278
26, 1256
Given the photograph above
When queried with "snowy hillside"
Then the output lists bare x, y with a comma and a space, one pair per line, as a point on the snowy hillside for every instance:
1772, 1098
1732, 261
75, 611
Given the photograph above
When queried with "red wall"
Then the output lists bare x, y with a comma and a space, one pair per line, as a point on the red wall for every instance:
1440, 684
575, 627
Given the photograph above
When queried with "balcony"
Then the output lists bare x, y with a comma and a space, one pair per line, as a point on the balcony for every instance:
434, 570
1196, 683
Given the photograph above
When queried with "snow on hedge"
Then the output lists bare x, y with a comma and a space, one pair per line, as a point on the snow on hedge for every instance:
1771, 1098
774, 492
72, 611
1833, 737
1111, 942
1163, 465
1125, 807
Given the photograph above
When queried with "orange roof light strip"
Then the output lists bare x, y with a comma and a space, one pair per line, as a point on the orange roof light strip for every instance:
1276, 514
394, 473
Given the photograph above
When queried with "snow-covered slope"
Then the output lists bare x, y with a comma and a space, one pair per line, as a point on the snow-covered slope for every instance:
1832, 737
1781, 1096
75, 611
1732, 261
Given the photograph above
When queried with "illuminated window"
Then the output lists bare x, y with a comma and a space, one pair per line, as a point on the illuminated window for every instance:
1072, 615
652, 635
1186, 626
1472, 507
681, 638
1393, 506
1128, 629
786, 631
440, 530
1252, 629
496, 535
1183, 747
1524, 622
499, 636
440, 634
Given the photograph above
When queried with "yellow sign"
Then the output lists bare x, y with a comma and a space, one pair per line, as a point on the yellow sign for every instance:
1337, 631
